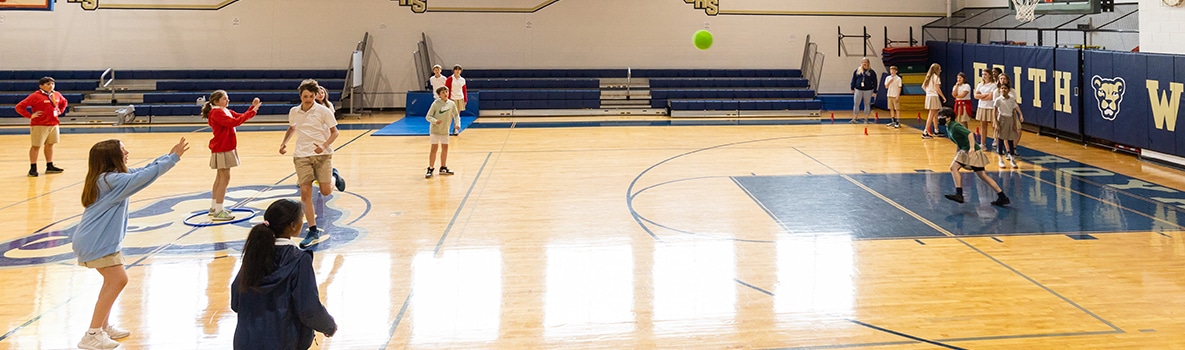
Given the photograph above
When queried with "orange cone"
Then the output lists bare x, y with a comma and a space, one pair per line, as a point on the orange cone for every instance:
832, 117
865, 131
876, 118
919, 116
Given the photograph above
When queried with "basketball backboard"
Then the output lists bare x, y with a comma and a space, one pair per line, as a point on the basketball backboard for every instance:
1069, 7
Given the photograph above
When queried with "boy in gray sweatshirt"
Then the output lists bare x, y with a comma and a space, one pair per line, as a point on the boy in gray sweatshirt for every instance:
442, 116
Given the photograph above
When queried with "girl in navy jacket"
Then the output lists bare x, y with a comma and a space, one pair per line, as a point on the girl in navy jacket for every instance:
275, 292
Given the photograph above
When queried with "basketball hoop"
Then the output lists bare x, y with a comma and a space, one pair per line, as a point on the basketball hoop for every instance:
1025, 9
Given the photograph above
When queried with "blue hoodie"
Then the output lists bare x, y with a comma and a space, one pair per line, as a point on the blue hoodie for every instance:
286, 308
105, 222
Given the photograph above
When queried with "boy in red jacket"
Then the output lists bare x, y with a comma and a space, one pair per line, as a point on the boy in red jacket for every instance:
46, 105
456, 87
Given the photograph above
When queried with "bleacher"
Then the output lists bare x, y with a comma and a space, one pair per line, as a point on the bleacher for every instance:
171, 94
676, 92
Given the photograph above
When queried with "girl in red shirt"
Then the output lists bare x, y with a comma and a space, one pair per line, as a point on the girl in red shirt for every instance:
223, 155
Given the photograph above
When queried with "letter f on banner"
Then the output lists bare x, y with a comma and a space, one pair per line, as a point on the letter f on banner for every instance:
1164, 113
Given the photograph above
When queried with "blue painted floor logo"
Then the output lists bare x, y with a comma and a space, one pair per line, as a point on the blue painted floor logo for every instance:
159, 227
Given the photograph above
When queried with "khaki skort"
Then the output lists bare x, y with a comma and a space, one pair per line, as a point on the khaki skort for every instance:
224, 160
112, 259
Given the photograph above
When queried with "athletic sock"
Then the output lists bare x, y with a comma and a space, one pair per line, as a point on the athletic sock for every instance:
217, 207
959, 191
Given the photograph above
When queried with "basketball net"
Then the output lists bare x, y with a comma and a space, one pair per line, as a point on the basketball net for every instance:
1025, 9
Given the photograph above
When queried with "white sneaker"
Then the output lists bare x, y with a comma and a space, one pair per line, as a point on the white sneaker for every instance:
1000, 162
97, 341
1012, 161
114, 332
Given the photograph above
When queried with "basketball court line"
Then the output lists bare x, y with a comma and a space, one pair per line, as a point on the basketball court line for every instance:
969, 245
150, 254
462, 205
1114, 329
1118, 205
903, 335
630, 194
652, 222
398, 318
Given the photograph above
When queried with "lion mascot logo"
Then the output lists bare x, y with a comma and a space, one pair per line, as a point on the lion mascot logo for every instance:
1109, 94
160, 226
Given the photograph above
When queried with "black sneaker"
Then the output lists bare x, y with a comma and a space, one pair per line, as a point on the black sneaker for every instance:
429, 174
339, 181
1002, 201
444, 171
956, 197
53, 170
33, 173
926, 136
311, 238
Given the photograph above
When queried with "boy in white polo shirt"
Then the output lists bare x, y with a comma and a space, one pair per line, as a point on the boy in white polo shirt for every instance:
315, 129
437, 81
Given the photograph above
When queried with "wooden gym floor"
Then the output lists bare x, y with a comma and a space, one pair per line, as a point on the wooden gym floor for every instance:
777, 236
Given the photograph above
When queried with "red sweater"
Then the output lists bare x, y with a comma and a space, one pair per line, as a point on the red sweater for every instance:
39, 101
223, 121
464, 90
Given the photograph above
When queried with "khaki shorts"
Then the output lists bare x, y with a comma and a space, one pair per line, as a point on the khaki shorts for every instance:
894, 103
311, 168
224, 160
460, 104
112, 259
44, 135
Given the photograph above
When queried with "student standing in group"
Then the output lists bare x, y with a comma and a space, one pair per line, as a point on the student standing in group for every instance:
459, 92
47, 106
985, 92
962, 94
863, 89
1002, 79
1008, 119
98, 238
315, 129
275, 292
933, 87
223, 147
437, 81
893, 93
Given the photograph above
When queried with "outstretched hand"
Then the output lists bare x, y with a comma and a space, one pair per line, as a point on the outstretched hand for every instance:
255, 104
180, 148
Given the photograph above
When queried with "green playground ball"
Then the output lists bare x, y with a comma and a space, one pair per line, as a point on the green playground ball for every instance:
702, 39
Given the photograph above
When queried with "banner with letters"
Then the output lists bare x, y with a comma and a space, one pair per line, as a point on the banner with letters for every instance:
1129, 98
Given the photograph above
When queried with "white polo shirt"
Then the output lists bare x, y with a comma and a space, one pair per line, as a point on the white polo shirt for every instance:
894, 86
312, 129
457, 93
437, 83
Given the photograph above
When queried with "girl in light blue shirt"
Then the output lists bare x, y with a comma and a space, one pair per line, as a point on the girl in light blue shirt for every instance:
98, 237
